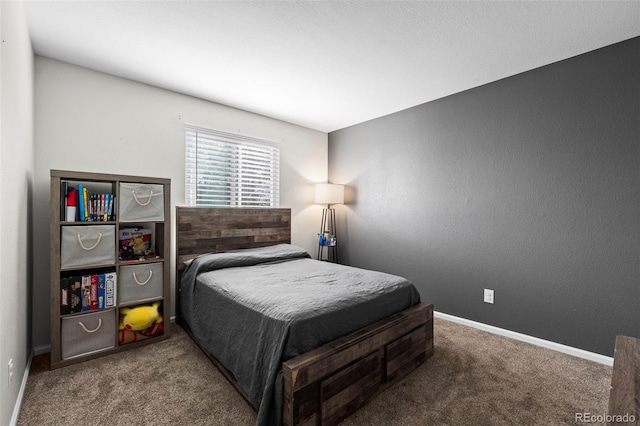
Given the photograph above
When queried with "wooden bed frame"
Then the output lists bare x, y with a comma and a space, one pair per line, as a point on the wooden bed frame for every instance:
326, 384
624, 395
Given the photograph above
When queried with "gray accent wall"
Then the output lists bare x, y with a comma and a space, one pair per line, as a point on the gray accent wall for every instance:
529, 186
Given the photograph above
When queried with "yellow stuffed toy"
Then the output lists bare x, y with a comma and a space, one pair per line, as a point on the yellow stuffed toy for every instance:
140, 322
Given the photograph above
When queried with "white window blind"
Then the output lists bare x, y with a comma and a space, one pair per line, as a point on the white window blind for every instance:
224, 169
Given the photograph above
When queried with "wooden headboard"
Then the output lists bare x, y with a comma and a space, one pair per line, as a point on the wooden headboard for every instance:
201, 230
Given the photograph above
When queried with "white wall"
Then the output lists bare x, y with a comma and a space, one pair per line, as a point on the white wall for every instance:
90, 121
16, 183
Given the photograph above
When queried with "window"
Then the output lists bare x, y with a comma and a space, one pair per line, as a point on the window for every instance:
224, 169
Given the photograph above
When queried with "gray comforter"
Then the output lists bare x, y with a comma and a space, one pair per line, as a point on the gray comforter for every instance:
254, 309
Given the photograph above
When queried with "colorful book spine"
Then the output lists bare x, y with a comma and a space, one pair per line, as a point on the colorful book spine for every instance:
86, 293
112, 207
110, 290
64, 296
94, 292
81, 202
86, 203
101, 291
75, 294
64, 189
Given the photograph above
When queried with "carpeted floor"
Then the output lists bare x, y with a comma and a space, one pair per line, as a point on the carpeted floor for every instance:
474, 378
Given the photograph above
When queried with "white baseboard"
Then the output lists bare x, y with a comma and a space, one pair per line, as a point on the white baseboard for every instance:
23, 386
580, 353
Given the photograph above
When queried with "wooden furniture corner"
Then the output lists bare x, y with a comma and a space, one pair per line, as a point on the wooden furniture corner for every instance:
624, 397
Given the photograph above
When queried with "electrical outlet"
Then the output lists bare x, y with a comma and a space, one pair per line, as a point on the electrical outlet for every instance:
488, 295
10, 366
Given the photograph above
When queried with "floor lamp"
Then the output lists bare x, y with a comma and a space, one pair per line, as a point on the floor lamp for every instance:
328, 193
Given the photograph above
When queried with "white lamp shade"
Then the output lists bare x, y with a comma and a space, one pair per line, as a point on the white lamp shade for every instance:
329, 193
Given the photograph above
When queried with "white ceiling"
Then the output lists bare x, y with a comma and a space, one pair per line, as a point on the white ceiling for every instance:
323, 64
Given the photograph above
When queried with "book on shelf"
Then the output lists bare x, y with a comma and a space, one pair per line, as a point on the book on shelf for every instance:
87, 292
75, 294
64, 188
64, 296
102, 289
94, 292
80, 203
110, 289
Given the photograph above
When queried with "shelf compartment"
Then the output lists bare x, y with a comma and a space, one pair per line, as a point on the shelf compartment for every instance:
103, 296
99, 189
87, 333
87, 245
139, 242
141, 202
140, 282
134, 331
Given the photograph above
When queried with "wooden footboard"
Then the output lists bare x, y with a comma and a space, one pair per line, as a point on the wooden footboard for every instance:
327, 384
624, 396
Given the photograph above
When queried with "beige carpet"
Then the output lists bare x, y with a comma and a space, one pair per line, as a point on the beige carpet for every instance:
474, 378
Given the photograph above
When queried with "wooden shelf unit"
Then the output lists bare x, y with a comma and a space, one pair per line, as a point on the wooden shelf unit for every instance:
109, 317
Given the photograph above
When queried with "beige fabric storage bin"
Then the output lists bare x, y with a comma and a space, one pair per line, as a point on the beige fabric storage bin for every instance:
140, 282
87, 333
141, 202
87, 245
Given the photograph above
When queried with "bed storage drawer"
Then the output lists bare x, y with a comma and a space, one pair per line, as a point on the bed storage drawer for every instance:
140, 282
87, 245
404, 354
87, 333
351, 387
141, 202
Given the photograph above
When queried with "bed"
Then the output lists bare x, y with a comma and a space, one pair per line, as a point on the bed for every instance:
286, 330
